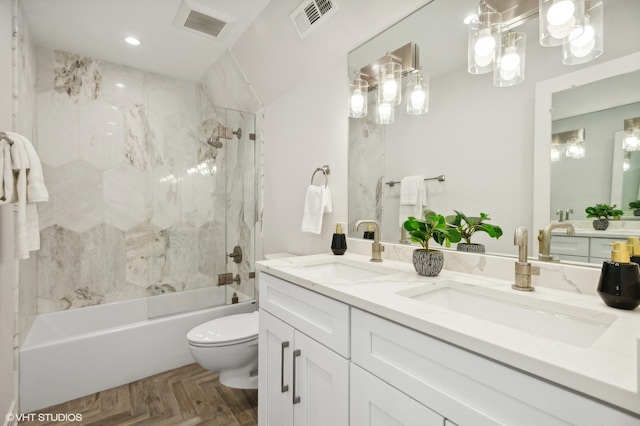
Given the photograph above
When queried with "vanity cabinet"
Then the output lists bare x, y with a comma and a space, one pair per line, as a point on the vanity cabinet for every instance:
579, 248
303, 357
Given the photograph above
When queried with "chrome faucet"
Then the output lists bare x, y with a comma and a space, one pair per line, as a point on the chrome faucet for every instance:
523, 269
561, 214
376, 247
545, 239
566, 215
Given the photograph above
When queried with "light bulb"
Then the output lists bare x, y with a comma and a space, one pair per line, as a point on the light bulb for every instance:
357, 101
563, 30
582, 45
560, 13
625, 165
384, 110
555, 153
631, 143
485, 44
389, 88
510, 60
417, 97
483, 61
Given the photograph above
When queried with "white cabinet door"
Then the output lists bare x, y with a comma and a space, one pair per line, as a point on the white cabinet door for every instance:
320, 385
376, 403
275, 351
301, 382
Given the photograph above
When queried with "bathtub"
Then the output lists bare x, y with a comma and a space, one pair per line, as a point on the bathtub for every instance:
69, 354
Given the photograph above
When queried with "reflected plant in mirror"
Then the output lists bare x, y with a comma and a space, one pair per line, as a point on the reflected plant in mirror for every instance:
602, 212
467, 226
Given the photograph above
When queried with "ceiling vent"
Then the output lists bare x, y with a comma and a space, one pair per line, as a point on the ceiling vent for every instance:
311, 14
204, 21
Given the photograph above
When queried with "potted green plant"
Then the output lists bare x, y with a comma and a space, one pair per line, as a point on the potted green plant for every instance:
635, 205
602, 213
426, 261
467, 226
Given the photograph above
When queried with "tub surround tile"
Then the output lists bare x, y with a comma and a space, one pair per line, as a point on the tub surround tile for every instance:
124, 205
140, 148
80, 78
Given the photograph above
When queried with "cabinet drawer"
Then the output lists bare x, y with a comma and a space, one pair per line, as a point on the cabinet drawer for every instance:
601, 247
573, 246
319, 317
463, 387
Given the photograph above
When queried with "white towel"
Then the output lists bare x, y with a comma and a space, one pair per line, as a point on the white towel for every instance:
413, 197
317, 202
7, 181
29, 188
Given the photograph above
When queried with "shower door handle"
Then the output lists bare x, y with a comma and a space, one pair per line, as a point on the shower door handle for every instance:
296, 399
283, 387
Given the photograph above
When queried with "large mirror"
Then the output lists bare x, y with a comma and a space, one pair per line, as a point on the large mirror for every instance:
480, 137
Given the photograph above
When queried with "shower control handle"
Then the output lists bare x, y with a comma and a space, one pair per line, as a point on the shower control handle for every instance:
283, 387
236, 254
296, 353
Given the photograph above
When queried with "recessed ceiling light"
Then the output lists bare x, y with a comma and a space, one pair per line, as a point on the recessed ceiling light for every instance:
132, 41
121, 85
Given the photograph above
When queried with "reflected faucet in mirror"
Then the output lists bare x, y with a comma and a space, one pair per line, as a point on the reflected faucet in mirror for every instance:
545, 239
376, 247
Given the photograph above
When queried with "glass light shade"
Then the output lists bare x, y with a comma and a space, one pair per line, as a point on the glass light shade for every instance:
575, 150
631, 141
509, 69
385, 113
390, 83
417, 93
483, 42
560, 21
358, 98
588, 45
556, 152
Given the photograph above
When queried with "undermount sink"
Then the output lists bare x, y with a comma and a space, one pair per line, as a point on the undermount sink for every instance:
337, 270
552, 320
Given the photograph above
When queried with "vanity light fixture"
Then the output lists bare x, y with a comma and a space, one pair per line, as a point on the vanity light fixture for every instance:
631, 141
588, 45
509, 68
484, 40
386, 75
358, 97
571, 142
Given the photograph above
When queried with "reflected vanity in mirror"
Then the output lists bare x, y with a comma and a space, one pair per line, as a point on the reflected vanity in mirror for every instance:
478, 135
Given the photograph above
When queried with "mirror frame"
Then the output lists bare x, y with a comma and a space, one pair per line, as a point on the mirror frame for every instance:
542, 127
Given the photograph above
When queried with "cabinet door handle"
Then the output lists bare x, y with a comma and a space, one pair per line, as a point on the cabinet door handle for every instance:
296, 399
283, 387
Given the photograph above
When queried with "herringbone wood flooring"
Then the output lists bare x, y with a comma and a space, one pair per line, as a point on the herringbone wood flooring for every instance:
185, 396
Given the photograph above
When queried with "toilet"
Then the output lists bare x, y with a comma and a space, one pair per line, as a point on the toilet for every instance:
228, 345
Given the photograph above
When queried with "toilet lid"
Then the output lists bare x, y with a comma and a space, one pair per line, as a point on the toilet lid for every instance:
226, 330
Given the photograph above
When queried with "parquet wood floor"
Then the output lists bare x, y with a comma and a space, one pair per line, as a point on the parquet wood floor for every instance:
186, 396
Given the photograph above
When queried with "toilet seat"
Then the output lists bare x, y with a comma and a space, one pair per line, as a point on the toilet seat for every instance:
224, 331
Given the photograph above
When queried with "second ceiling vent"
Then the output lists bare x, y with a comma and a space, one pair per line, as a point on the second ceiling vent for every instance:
311, 14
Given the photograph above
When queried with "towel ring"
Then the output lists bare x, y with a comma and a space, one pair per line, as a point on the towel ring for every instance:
325, 171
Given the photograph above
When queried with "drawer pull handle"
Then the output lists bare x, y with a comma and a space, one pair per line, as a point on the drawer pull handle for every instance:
283, 387
296, 399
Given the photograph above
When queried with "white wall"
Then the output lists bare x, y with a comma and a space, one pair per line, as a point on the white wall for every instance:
8, 264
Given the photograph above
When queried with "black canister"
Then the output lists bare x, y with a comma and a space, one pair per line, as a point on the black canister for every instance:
619, 284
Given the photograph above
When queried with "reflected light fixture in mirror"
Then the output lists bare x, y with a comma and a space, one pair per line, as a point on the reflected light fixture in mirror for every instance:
560, 21
483, 40
358, 97
588, 45
571, 143
417, 93
385, 113
631, 140
509, 69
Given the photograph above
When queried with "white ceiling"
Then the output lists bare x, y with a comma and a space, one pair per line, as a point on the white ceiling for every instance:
96, 28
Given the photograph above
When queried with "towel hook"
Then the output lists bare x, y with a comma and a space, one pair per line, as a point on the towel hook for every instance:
326, 171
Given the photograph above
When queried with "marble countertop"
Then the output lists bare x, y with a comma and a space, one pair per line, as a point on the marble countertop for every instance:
608, 369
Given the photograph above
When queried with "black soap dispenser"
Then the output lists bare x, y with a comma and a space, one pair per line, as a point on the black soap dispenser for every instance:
369, 234
619, 285
339, 241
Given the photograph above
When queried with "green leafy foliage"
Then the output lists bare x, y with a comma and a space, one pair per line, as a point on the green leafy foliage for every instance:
467, 226
434, 226
603, 211
634, 204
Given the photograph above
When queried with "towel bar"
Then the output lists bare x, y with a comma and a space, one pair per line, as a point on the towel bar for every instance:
397, 182
4, 136
326, 171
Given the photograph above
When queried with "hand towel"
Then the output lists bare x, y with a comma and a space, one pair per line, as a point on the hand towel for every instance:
413, 197
317, 202
30, 188
7, 182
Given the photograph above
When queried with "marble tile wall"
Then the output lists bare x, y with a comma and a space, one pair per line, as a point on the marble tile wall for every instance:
137, 198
